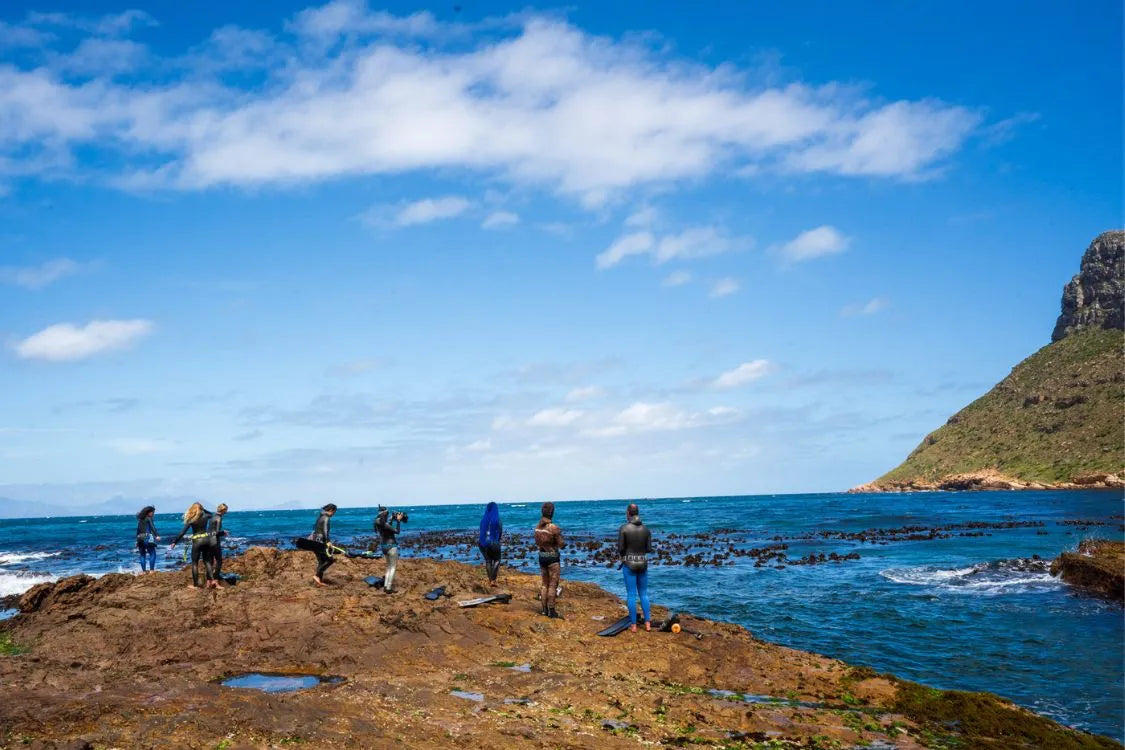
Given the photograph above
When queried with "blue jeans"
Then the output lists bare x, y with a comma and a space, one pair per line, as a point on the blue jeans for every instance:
634, 583
147, 554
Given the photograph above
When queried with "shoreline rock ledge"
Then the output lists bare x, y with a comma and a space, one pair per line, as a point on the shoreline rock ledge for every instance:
1097, 567
127, 661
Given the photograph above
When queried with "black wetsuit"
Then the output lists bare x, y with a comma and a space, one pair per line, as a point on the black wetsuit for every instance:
634, 542
215, 527
203, 546
388, 530
323, 533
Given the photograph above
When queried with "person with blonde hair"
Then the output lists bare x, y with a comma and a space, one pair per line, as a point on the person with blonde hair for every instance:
196, 520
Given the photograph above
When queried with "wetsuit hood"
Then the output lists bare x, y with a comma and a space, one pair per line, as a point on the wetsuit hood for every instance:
635, 520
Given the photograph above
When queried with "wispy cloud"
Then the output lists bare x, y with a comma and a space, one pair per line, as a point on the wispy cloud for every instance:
422, 211
649, 417
67, 342
870, 307
534, 101
814, 243
37, 277
584, 393
676, 278
695, 242
725, 287
745, 373
500, 220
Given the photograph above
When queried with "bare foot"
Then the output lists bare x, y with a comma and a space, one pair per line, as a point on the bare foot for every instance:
319, 582
648, 626
632, 628
192, 586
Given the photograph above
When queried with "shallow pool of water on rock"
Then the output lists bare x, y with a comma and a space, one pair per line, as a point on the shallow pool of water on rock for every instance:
277, 683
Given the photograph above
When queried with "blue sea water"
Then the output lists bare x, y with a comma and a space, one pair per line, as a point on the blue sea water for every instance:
970, 609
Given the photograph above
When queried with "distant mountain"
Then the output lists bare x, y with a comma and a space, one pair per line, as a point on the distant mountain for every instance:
1058, 420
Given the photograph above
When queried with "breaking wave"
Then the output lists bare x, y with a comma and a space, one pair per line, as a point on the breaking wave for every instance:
17, 583
17, 558
1020, 575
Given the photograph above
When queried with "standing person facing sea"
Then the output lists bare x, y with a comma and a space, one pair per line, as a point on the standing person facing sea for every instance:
389, 525
634, 543
196, 520
147, 539
549, 540
489, 541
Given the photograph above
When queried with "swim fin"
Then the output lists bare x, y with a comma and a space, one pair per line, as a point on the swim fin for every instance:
618, 627
375, 582
436, 594
501, 598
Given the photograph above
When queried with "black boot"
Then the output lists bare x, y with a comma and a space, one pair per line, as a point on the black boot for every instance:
551, 612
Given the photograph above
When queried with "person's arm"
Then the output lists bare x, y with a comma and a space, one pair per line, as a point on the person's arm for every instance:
621, 541
648, 541
559, 538
152, 528
181, 534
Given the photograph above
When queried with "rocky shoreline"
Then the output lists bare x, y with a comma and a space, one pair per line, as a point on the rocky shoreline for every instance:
127, 661
991, 480
1097, 567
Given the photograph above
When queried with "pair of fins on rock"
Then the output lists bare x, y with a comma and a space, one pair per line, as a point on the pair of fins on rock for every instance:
433, 596
664, 626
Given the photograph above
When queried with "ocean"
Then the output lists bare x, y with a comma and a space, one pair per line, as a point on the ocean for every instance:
949, 589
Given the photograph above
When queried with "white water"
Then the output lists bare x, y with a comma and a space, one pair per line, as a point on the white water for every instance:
988, 578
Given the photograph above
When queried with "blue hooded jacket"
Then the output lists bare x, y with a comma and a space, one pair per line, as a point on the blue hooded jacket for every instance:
490, 526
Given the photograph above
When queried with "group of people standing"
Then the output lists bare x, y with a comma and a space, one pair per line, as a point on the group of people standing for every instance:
206, 541
634, 544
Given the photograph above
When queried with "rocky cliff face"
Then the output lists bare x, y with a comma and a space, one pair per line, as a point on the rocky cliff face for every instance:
1095, 298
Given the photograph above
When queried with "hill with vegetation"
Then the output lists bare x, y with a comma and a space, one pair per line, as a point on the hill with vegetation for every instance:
1057, 419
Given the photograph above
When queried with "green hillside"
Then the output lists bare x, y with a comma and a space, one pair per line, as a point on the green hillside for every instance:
1057, 416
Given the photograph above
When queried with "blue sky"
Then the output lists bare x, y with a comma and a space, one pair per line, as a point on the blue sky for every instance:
294, 253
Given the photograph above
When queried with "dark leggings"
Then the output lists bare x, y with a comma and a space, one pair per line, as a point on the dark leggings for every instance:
202, 549
324, 561
491, 554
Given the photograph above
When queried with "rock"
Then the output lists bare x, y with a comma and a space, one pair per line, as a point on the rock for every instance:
1098, 567
1095, 298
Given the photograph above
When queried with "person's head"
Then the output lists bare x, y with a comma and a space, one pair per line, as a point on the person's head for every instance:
548, 511
146, 512
330, 509
194, 513
221, 509
632, 511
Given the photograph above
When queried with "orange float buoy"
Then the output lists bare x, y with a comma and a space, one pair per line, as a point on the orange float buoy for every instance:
675, 627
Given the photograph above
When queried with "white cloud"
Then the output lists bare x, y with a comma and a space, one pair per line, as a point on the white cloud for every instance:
814, 243
724, 287
695, 242
665, 417
676, 278
368, 93
745, 373
37, 277
419, 212
500, 219
555, 417
66, 342
584, 393
644, 218
479, 446
868, 308
637, 243
138, 446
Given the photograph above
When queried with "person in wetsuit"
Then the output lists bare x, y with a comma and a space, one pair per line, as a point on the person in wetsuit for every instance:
389, 525
196, 520
322, 532
634, 543
147, 539
215, 527
549, 540
489, 541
